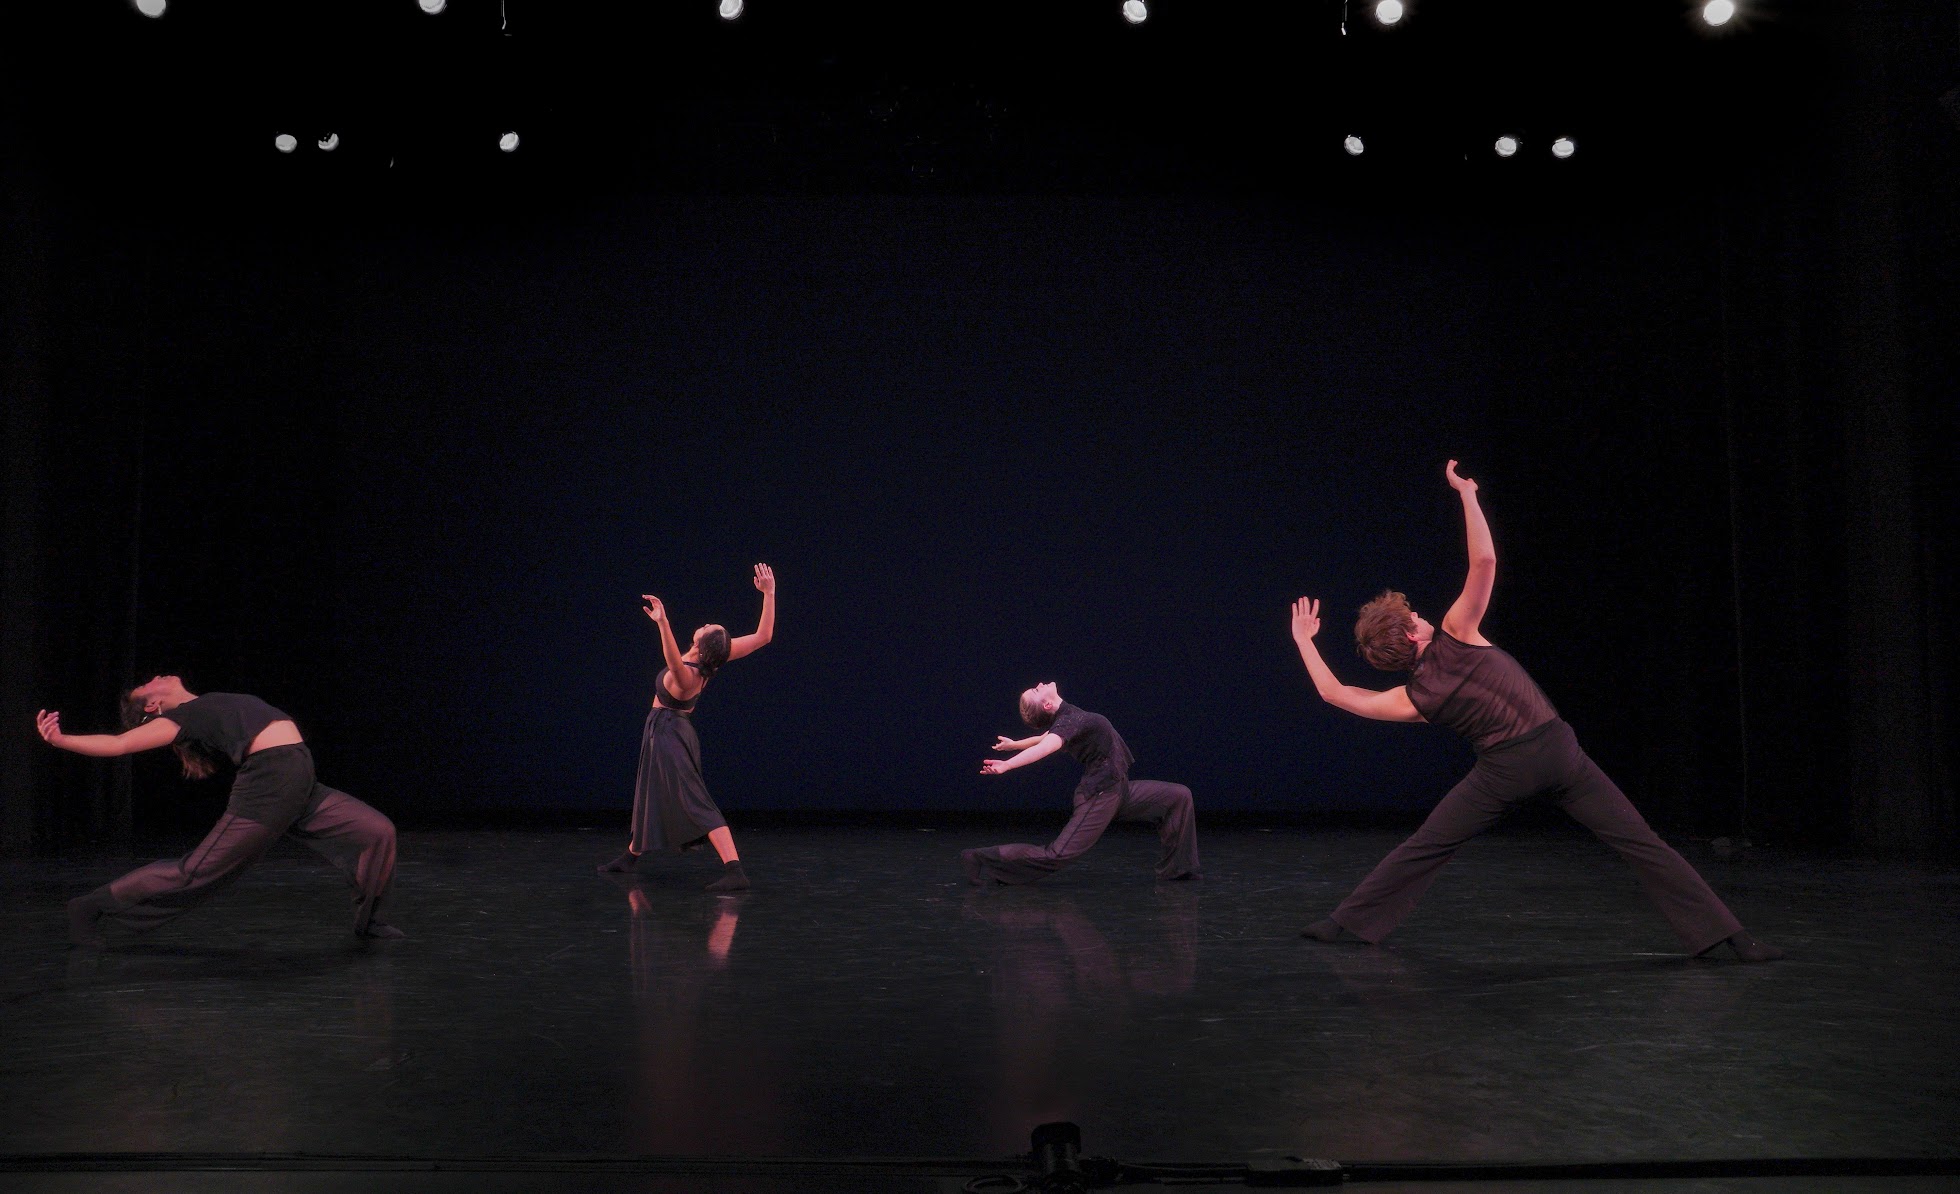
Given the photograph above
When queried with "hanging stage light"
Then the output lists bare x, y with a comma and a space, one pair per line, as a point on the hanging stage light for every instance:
508, 143
1563, 147
1718, 12
432, 7
1136, 12
1388, 12
1506, 146
285, 142
730, 9
151, 8
1353, 145
330, 142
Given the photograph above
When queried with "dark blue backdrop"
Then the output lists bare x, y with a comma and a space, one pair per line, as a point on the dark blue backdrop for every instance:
983, 443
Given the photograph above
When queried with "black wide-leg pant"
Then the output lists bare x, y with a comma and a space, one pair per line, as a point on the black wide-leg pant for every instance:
274, 793
1168, 805
1544, 762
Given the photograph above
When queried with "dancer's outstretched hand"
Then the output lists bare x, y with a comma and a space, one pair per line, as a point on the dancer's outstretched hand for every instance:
654, 609
48, 725
993, 766
1306, 619
1460, 484
765, 578
1005, 743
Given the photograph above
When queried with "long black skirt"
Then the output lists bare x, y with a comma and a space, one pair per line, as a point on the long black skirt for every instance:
671, 806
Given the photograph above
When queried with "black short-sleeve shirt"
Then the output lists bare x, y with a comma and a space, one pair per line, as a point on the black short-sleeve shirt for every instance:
1091, 741
223, 723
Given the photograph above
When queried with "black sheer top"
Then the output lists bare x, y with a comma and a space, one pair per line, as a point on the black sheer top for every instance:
223, 723
1480, 692
1091, 741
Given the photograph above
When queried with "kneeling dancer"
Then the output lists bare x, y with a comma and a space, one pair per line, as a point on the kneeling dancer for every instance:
1106, 793
1457, 679
273, 792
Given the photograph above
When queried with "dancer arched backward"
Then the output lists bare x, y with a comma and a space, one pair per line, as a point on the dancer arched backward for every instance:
274, 792
1106, 793
1457, 679
671, 807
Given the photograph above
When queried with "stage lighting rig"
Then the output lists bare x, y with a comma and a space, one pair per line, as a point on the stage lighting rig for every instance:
151, 8
507, 143
730, 9
1718, 12
330, 142
1136, 12
1353, 145
1563, 148
432, 7
1507, 146
1389, 12
285, 142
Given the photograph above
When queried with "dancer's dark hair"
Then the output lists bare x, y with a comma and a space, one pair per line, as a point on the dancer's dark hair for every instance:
1032, 712
1381, 633
711, 649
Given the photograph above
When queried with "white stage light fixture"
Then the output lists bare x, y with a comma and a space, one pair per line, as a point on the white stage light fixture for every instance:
1506, 146
1388, 12
1718, 12
285, 143
1353, 145
508, 143
330, 142
151, 8
1136, 12
432, 7
730, 9
1563, 147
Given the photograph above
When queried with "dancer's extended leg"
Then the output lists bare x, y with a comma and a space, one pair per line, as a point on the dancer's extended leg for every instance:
1386, 897
1696, 914
1024, 863
151, 896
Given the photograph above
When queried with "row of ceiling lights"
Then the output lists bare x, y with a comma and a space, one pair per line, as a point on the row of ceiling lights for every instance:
1387, 12
1506, 146
287, 143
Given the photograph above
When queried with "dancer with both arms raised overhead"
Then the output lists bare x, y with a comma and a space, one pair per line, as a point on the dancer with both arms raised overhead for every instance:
273, 792
1106, 793
1457, 679
671, 807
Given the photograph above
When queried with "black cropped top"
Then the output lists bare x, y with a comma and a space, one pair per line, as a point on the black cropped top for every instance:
223, 723
667, 700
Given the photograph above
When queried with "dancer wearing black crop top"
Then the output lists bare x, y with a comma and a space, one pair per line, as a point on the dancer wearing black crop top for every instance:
1458, 680
273, 792
671, 806
1105, 793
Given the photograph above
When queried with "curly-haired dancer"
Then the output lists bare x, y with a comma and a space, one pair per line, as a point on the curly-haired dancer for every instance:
671, 806
1457, 679
274, 792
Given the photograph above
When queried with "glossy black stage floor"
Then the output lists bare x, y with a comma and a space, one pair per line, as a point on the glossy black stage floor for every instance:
547, 1028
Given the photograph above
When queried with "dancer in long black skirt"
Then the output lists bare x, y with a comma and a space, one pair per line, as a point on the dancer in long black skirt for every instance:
1106, 793
672, 810
273, 792
1457, 679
